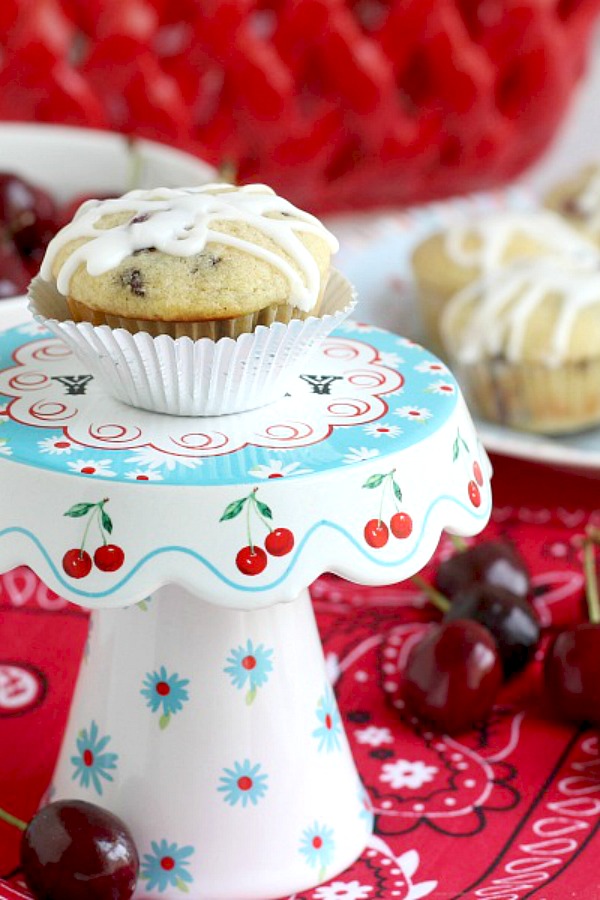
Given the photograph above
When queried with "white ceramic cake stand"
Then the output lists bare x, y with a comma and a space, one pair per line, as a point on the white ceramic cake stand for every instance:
203, 715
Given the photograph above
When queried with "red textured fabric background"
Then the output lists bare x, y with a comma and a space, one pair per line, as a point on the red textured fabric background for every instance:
509, 811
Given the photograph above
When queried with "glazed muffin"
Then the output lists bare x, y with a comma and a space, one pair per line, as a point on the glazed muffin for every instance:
578, 201
525, 345
209, 261
471, 248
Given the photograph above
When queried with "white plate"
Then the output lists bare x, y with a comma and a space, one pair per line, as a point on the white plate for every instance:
375, 256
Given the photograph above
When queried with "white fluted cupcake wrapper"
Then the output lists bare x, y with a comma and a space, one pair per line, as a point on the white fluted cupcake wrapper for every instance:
183, 377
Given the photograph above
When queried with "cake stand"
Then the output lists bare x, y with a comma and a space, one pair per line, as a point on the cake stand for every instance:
203, 714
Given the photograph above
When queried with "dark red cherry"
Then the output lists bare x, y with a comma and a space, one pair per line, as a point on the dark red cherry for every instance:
452, 675
28, 213
14, 277
73, 850
491, 562
572, 674
510, 620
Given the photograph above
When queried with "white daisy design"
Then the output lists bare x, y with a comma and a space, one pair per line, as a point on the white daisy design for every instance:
431, 365
407, 342
406, 774
357, 454
413, 413
441, 387
387, 358
92, 467
55, 446
382, 429
5, 450
275, 468
151, 458
343, 890
143, 475
374, 736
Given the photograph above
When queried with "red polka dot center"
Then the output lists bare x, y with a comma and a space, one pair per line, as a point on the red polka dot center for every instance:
317, 842
163, 688
244, 783
88, 470
141, 478
167, 863
276, 475
62, 445
328, 722
88, 758
249, 662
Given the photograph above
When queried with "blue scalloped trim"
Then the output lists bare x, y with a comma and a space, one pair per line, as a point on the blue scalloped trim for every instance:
247, 588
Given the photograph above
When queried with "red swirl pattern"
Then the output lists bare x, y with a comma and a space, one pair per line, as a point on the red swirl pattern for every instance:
112, 433
28, 381
52, 410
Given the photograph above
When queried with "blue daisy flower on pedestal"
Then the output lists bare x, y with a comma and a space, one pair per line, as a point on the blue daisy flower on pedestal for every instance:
243, 784
91, 763
250, 665
166, 867
317, 846
330, 725
165, 692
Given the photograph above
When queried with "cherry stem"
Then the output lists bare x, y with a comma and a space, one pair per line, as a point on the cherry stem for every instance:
248, 529
12, 820
591, 581
85, 534
258, 512
439, 601
459, 543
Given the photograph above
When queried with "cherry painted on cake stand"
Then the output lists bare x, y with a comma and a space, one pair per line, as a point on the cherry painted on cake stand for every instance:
203, 714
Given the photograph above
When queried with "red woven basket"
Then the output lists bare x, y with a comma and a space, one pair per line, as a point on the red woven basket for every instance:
335, 103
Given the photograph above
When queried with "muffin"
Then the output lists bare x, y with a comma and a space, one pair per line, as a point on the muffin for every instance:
471, 248
578, 201
525, 345
209, 261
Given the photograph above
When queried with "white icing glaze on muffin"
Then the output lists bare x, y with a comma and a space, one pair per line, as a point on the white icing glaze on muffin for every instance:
178, 222
494, 232
494, 317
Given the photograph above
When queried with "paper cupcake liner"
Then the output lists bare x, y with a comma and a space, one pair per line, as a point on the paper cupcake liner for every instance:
215, 329
531, 396
185, 377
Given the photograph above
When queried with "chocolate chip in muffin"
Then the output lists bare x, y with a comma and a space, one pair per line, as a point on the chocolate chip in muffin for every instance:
132, 278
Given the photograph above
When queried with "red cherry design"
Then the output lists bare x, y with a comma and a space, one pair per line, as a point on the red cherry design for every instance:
279, 542
376, 533
251, 560
474, 494
477, 473
77, 563
401, 525
452, 675
109, 557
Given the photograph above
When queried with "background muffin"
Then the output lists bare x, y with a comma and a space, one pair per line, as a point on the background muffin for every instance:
209, 261
471, 248
525, 344
578, 201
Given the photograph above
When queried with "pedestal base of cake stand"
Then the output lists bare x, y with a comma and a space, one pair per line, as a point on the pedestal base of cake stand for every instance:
214, 733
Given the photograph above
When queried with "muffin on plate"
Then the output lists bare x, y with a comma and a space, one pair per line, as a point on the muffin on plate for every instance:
471, 248
525, 345
209, 261
192, 301
578, 201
